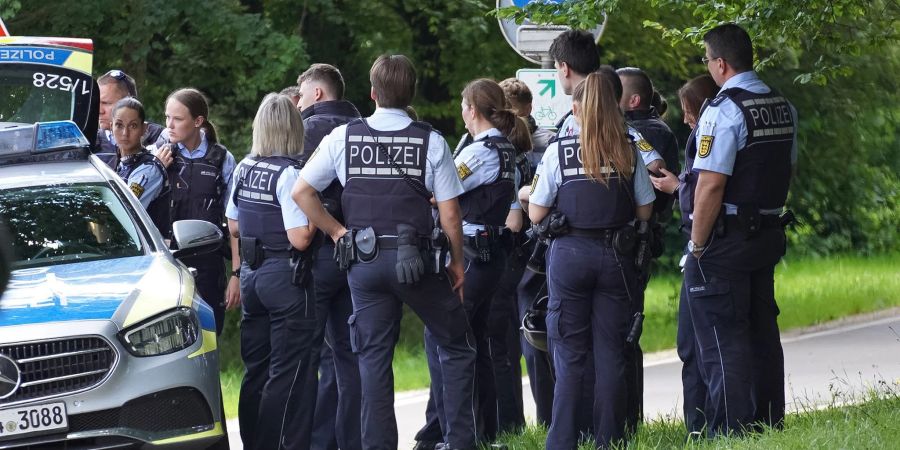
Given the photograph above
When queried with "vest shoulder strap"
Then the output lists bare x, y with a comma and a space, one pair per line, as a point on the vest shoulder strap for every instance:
215, 156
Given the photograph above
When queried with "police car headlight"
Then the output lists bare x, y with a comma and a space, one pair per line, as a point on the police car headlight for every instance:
163, 334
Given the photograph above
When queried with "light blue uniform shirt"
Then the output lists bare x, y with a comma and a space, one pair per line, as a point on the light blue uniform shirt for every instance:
147, 180
291, 214
227, 165
328, 162
482, 166
648, 154
549, 179
727, 128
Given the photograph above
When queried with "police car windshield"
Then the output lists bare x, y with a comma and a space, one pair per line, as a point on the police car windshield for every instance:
27, 96
67, 223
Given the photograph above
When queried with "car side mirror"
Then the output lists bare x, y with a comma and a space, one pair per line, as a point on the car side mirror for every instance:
195, 237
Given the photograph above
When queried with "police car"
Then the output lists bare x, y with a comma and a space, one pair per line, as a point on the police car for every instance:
104, 342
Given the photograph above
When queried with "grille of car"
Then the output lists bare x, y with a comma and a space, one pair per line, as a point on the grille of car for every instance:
56, 367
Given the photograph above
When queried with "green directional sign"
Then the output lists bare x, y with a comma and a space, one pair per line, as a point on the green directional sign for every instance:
549, 85
549, 100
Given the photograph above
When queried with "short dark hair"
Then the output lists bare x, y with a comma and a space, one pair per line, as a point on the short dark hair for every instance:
326, 74
731, 43
608, 72
578, 49
121, 79
393, 78
638, 83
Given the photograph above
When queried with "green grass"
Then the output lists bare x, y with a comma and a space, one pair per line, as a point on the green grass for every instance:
809, 292
872, 424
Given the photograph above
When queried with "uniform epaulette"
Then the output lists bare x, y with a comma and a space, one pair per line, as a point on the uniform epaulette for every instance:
727, 93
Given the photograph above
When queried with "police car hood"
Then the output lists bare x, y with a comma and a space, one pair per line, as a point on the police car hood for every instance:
124, 290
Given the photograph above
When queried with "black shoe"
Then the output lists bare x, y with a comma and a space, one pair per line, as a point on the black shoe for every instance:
426, 445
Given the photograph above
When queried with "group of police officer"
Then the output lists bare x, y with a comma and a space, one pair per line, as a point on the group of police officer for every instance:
376, 212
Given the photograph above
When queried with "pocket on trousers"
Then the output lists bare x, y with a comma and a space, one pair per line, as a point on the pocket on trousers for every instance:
552, 320
354, 333
712, 303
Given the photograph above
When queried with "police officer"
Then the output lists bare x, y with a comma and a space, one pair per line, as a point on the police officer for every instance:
486, 169
199, 176
745, 149
693, 95
114, 86
279, 316
596, 181
320, 100
142, 172
390, 166
519, 97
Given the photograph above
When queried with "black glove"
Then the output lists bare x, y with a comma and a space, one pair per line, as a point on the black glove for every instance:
410, 266
552, 225
642, 255
345, 251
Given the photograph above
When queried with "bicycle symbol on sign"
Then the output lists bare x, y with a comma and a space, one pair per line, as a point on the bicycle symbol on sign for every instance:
545, 112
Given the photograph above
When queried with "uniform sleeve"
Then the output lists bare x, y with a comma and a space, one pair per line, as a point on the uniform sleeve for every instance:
646, 151
320, 170
231, 210
547, 178
227, 172
476, 165
518, 183
643, 189
445, 184
145, 182
721, 133
291, 214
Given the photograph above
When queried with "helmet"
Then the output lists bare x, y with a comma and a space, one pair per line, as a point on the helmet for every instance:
534, 325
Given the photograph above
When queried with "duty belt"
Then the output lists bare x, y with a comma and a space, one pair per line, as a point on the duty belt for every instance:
270, 253
390, 242
604, 234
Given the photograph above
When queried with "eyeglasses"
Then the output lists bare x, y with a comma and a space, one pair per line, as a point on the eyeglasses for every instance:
706, 60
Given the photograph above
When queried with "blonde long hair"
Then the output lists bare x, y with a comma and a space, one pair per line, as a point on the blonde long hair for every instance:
277, 128
604, 141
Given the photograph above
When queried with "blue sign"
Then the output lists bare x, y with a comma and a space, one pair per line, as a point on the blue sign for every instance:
42, 55
522, 3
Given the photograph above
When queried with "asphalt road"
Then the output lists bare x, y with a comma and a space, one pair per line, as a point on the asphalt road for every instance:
822, 367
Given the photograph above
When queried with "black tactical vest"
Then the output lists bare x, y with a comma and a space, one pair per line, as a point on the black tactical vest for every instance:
158, 209
256, 198
762, 169
688, 180
375, 193
488, 204
197, 185
590, 204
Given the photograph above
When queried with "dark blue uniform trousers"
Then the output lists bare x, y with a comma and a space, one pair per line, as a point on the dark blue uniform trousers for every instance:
338, 385
589, 313
693, 388
375, 326
503, 336
480, 286
277, 331
210, 282
731, 294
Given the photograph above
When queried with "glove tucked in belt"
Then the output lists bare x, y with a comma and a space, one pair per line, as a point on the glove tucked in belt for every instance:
410, 266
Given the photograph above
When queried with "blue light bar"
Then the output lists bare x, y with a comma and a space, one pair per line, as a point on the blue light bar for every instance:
56, 135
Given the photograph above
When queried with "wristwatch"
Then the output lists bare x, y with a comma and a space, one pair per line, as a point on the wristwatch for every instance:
236, 272
694, 248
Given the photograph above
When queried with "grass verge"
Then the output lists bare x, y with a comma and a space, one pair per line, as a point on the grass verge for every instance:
872, 424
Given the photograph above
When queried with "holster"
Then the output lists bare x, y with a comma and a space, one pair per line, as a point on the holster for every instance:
750, 219
251, 252
345, 251
625, 240
438, 251
301, 267
366, 242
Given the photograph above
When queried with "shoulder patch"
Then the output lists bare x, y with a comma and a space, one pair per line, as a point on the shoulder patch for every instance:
137, 189
705, 146
644, 146
534, 182
718, 100
463, 171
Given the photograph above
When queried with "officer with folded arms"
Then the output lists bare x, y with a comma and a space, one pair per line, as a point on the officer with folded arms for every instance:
746, 147
391, 167
277, 297
598, 186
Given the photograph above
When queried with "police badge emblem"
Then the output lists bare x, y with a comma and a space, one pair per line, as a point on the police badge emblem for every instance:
705, 146
137, 189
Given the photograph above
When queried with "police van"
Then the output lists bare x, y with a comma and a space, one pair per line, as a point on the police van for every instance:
104, 341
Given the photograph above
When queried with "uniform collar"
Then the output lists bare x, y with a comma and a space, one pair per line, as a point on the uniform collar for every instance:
741, 78
487, 133
390, 112
333, 107
641, 114
199, 152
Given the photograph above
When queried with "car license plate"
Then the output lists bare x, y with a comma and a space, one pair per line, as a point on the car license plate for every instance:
38, 419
